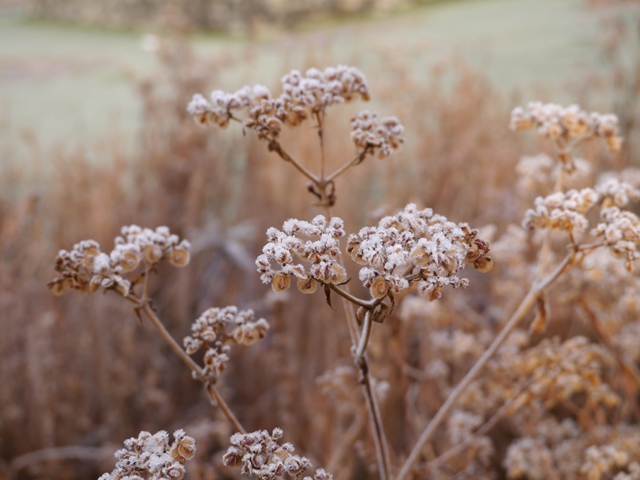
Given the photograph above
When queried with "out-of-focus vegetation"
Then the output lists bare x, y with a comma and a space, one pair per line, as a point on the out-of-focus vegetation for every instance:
95, 136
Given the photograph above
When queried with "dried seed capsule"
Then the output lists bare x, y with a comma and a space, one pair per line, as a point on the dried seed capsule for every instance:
59, 286
281, 282
152, 253
179, 257
307, 286
379, 288
483, 263
340, 274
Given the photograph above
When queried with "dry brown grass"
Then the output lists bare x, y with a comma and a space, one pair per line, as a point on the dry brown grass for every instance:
80, 371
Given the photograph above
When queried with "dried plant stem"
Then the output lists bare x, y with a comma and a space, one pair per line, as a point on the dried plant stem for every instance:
527, 303
195, 368
483, 430
320, 118
623, 360
214, 395
275, 146
354, 161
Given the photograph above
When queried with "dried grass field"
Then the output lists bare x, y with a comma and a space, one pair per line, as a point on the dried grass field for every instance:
338, 240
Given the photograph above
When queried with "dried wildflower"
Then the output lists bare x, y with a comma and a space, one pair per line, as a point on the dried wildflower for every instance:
383, 137
614, 192
621, 234
567, 124
151, 456
561, 211
528, 458
321, 251
259, 454
600, 461
303, 96
417, 247
555, 121
86, 268
217, 328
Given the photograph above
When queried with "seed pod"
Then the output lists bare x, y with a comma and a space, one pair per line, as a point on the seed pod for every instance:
281, 282
187, 448
89, 255
179, 257
152, 253
542, 315
379, 288
483, 263
129, 262
307, 285
419, 256
59, 286
95, 283
339, 274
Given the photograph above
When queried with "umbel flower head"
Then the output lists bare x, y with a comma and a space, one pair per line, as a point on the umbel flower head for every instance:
411, 247
259, 454
567, 124
302, 96
320, 249
153, 457
564, 211
416, 247
217, 328
86, 268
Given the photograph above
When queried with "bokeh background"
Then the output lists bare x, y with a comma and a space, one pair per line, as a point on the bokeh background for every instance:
94, 135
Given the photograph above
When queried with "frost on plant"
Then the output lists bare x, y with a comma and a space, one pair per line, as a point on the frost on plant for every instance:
620, 232
416, 247
87, 268
259, 455
567, 126
153, 457
379, 138
302, 96
562, 211
217, 329
315, 242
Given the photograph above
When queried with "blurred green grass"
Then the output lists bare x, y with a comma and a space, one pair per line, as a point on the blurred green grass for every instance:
72, 85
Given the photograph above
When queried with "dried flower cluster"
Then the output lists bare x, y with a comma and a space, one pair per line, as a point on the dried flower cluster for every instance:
210, 329
302, 97
153, 457
416, 247
562, 211
616, 193
377, 137
321, 251
567, 123
86, 268
621, 234
259, 454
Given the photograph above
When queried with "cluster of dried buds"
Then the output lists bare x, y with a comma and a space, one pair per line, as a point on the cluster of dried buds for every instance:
621, 233
416, 247
321, 250
152, 457
210, 329
411, 247
376, 137
86, 268
302, 97
567, 124
563, 211
614, 192
259, 454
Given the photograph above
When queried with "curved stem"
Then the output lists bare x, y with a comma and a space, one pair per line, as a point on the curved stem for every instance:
214, 395
195, 368
524, 307
276, 147
355, 160
320, 118
353, 299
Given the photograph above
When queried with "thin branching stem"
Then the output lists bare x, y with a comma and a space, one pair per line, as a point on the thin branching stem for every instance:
354, 161
320, 119
275, 146
527, 303
195, 368
364, 335
353, 299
